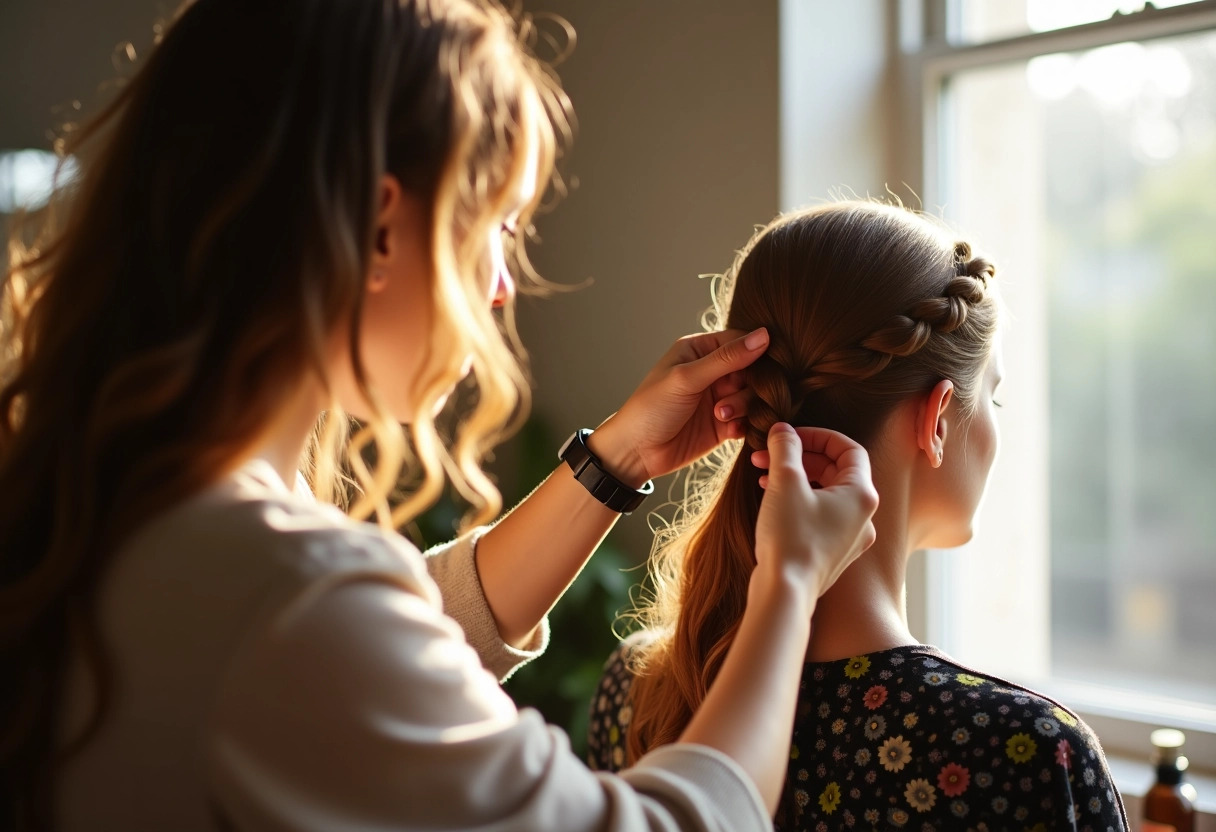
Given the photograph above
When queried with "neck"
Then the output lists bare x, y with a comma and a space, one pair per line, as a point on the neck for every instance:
284, 443
866, 609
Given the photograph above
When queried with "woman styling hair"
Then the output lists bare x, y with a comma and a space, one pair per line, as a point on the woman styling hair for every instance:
298, 210
885, 328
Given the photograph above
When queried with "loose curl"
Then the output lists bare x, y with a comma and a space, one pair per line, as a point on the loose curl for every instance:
866, 305
155, 318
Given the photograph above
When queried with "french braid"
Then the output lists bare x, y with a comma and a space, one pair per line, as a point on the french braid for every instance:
782, 386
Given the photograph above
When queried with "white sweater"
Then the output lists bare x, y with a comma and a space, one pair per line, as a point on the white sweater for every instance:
280, 667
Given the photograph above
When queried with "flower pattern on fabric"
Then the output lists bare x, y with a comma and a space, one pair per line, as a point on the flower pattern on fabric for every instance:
953, 779
875, 727
857, 667
895, 753
920, 795
875, 696
830, 799
878, 745
1020, 748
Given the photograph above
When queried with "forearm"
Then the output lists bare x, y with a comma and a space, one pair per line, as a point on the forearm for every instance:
532, 555
529, 558
749, 711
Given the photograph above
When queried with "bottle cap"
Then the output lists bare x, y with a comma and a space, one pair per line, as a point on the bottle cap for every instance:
1167, 757
1167, 738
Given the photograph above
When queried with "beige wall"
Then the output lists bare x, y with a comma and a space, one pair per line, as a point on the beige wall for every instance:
55, 51
676, 159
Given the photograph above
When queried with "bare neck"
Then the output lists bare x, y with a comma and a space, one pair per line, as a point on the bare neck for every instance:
284, 442
866, 609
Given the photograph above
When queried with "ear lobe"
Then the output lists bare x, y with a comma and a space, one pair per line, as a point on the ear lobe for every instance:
378, 281
942, 428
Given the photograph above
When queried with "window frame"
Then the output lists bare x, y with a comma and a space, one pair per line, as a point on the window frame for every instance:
927, 58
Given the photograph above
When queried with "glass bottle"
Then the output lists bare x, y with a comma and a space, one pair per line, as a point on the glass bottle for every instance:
1169, 805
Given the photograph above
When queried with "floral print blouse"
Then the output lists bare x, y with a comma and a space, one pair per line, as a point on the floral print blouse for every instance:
907, 738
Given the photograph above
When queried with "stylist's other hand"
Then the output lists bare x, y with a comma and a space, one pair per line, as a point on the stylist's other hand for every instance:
806, 534
691, 402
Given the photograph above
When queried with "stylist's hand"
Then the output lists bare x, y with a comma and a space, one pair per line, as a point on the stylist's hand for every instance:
811, 534
686, 406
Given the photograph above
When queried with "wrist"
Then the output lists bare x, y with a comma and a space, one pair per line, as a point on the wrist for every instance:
617, 456
779, 602
784, 585
601, 483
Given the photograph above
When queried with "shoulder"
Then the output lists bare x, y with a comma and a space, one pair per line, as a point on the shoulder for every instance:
1037, 736
619, 671
631, 650
611, 708
956, 694
247, 528
997, 699
1034, 742
357, 646
628, 661
939, 736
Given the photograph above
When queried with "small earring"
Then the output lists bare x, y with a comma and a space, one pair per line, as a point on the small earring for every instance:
939, 456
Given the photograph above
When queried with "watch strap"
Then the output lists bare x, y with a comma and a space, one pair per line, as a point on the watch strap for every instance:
604, 487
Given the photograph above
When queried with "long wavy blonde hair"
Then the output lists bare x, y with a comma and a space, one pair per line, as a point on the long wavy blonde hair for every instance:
178, 289
866, 304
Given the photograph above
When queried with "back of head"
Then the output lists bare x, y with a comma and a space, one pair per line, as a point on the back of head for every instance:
866, 305
191, 278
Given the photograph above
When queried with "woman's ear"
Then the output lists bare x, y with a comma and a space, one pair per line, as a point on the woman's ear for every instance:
388, 220
400, 229
931, 425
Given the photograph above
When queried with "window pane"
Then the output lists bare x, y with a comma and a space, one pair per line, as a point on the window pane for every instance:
974, 22
27, 178
1092, 179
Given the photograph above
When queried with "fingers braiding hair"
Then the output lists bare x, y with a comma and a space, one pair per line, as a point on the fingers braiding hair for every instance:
779, 394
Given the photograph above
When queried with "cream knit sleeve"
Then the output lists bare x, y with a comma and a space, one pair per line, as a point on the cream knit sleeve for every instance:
364, 709
454, 570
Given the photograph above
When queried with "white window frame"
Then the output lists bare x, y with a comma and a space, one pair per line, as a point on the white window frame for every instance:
927, 58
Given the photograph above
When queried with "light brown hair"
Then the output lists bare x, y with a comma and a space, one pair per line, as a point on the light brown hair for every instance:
154, 319
866, 305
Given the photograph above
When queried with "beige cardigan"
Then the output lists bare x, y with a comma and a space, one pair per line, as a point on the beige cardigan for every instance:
280, 667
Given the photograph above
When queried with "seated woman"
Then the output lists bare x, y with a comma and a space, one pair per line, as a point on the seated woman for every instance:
886, 329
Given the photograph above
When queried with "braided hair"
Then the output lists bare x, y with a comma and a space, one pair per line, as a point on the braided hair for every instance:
866, 305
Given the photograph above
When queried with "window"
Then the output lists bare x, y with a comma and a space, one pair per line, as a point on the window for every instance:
971, 22
1083, 158
27, 178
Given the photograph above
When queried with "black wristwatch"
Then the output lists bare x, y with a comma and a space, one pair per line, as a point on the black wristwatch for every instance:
603, 486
